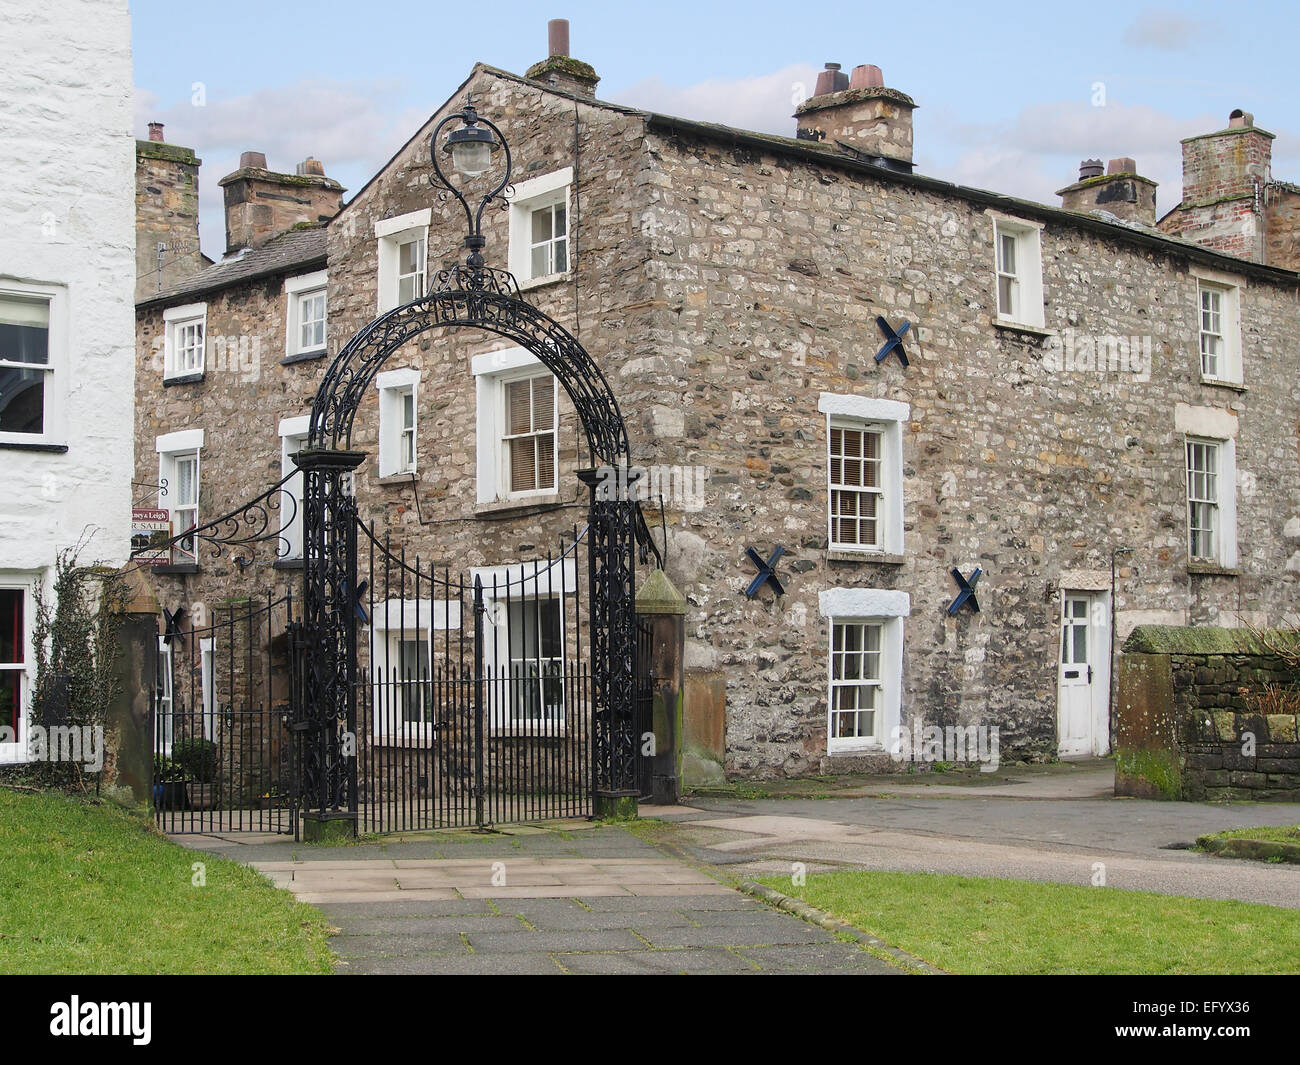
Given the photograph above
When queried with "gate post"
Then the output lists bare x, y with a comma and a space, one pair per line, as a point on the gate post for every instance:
611, 569
325, 722
662, 609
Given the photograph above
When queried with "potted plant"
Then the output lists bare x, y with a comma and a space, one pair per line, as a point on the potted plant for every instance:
197, 757
168, 784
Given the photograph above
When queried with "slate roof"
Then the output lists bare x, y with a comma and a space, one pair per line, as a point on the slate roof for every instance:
293, 251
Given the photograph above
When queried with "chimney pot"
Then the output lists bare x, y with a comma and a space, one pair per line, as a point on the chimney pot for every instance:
311, 167
1089, 168
867, 76
255, 159
155, 131
1122, 165
557, 37
831, 80
1240, 119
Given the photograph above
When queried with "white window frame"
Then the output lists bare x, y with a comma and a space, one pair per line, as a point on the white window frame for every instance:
1211, 425
545, 190
868, 606
886, 417
391, 234
1027, 303
208, 685
394, 386
56, 368
293, 437
164, 682
170, 448
176, 320
395, 621
16, 752
492, 372
519, 584
297, 290
1229, 288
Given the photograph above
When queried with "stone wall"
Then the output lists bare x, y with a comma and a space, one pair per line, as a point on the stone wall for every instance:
166, 212
722, 285
1207, 713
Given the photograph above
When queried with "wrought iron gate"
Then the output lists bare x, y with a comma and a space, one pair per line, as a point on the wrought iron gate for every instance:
474, 703
221, 696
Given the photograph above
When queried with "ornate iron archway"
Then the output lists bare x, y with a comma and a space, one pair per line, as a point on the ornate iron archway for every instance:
468, 296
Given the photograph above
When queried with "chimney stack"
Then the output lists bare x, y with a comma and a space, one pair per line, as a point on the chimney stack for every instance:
261, 203
166, 213
860, 114
559, 70
1121, 191
1224, 174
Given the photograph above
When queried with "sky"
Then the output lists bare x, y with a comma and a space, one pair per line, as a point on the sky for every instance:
1011, 96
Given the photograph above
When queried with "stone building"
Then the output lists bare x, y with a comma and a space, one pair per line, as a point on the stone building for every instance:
66, 269
1091, 418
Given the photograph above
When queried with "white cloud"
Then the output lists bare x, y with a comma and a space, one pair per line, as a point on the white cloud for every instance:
763, 103
1163, 29
351, 127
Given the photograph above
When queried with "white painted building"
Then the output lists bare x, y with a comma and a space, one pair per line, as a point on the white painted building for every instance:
67, 275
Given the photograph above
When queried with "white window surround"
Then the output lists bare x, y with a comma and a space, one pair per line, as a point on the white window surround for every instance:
176, 320
54, 429
507, 590
542, 191
391, 234
884, 607
164, 700
1027, 304
392, 386
1212, 425
208, 680
293, 436
885, 416
395, 621
170, 447
16, 752
1230, 288
492, 371
296, 289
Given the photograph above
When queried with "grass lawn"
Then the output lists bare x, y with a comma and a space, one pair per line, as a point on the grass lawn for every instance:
980, 925
1268, 833
87, 888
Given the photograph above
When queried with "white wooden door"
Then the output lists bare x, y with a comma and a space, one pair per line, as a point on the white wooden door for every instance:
1077, 675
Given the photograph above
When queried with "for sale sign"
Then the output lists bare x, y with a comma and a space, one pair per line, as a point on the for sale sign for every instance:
151, 528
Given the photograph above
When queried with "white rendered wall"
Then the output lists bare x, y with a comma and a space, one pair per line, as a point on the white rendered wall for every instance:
67, 207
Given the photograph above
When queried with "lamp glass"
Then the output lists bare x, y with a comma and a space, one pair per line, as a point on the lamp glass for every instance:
471, 158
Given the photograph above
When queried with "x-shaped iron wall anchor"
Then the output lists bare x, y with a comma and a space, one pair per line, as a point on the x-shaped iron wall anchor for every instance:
766, 572
893, 341
172, 625
967, 593
356, 599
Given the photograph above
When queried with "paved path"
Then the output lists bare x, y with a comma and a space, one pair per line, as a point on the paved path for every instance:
569, 898
1052, 827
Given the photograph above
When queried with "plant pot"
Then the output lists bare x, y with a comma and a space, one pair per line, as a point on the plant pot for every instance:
202, 796
170, 795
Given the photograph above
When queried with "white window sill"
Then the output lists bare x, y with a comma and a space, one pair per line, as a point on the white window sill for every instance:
1023, 327
863, 748
399, 478
1220, 382
541, 282
527, 730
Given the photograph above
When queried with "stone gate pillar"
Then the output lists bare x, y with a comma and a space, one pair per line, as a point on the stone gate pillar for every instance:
663, 608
